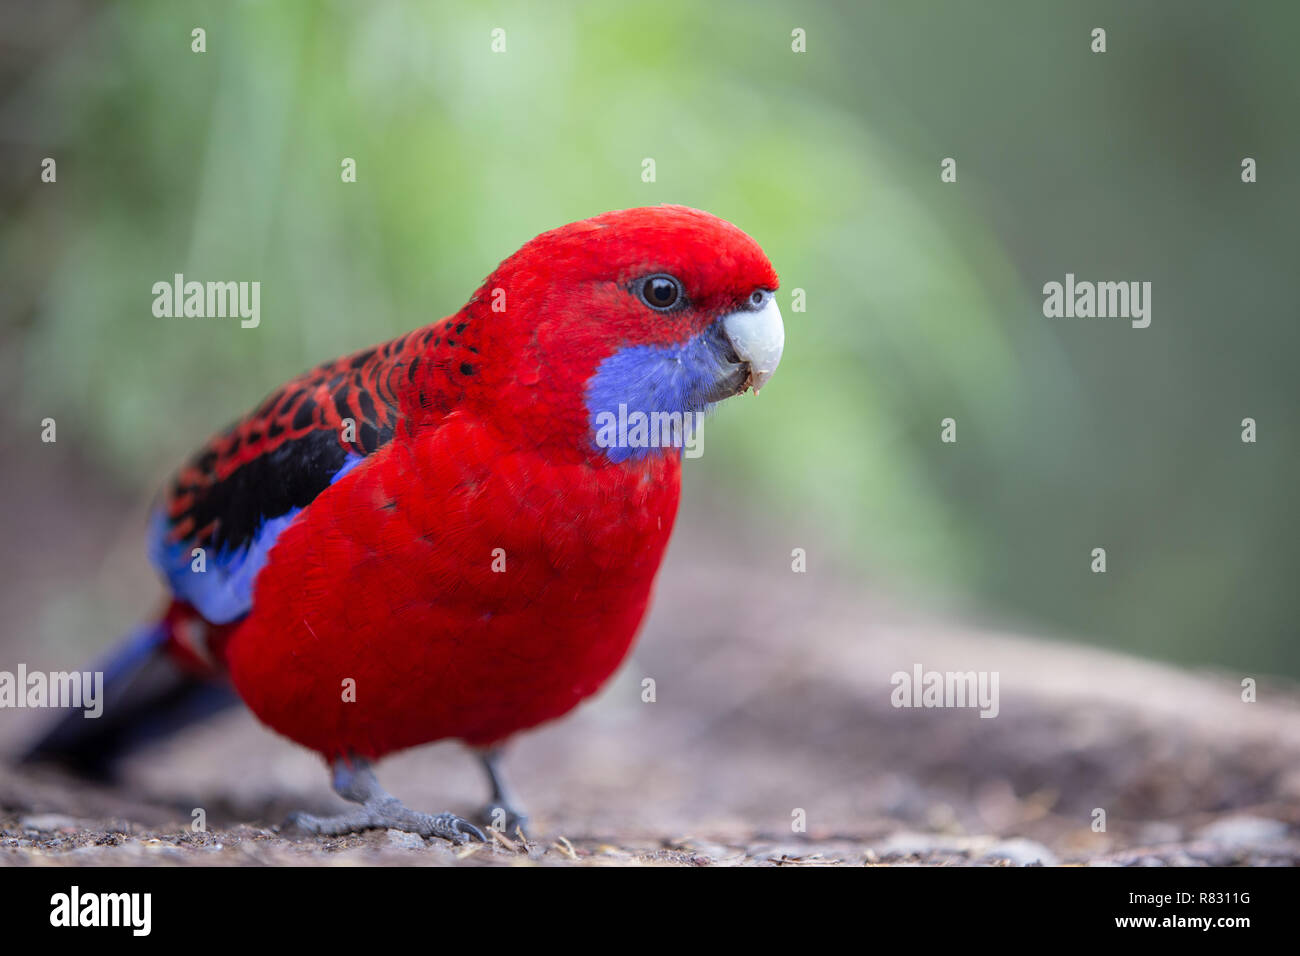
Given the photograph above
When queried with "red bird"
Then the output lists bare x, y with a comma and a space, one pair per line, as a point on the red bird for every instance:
453, 534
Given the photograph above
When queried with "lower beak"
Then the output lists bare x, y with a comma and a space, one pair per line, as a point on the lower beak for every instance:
758, 338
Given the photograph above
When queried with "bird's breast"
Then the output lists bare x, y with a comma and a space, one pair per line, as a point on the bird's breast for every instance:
467, 595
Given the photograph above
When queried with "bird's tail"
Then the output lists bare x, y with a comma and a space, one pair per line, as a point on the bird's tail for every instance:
150, 690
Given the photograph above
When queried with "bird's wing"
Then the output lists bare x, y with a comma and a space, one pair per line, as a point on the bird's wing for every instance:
237, 493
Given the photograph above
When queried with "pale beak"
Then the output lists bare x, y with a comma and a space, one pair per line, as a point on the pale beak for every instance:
758, 338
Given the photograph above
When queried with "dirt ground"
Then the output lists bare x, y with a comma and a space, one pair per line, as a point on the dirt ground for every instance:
772, 697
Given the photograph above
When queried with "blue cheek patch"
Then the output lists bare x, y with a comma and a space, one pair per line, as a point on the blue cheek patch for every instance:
223, 591
665, 384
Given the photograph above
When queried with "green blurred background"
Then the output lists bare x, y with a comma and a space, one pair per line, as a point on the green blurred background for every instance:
923, 298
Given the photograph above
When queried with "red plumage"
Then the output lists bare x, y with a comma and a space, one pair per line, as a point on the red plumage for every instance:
387, 580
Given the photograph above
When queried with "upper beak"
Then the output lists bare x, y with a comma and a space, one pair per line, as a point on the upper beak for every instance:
758, 338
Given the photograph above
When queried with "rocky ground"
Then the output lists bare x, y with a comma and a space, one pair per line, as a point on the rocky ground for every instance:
772, 703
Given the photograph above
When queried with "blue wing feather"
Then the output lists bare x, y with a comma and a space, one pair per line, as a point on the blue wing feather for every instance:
221, 586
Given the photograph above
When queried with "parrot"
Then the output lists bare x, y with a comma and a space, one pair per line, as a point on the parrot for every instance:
425, 540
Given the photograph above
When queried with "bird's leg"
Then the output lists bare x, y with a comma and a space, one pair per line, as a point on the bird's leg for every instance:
503, 813
354, 780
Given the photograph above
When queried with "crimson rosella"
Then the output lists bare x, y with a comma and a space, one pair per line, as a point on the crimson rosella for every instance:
437, 537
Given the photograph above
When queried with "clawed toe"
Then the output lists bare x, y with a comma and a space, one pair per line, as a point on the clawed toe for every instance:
326, 826
387, 816
380, 810
456, 829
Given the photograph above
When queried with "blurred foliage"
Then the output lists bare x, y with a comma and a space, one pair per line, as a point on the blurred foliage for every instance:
923, 299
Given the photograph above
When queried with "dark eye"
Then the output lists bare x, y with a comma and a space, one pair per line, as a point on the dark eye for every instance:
661, 292
757, 299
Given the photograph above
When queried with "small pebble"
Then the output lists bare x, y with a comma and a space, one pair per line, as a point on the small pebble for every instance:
1021, 852
1244, 831
47, 822
407, 841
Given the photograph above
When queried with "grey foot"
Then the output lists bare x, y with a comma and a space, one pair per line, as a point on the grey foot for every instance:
391, 815
355, 781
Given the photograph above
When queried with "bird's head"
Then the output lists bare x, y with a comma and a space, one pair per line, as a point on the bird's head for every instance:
662, 310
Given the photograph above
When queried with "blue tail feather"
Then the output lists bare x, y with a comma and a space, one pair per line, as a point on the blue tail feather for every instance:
147, 696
